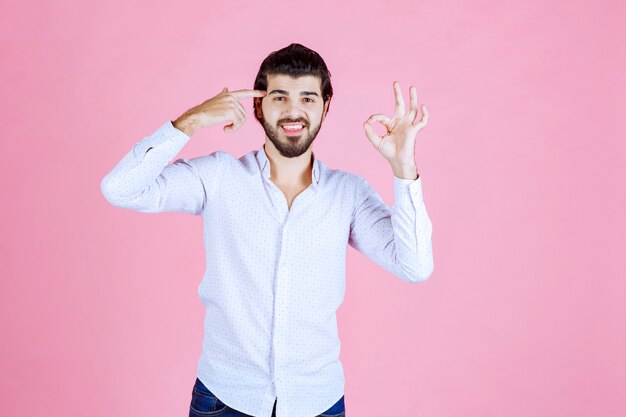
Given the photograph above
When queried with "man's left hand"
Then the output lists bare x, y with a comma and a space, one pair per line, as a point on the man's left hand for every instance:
398, 145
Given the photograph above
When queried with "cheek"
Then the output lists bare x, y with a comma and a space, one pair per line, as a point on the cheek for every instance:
318, 116
319, 111
268, 111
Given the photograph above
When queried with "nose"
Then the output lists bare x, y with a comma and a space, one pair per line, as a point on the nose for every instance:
293, 110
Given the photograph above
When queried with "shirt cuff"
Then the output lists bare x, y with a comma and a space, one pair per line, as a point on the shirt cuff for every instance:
413, 188
166, 133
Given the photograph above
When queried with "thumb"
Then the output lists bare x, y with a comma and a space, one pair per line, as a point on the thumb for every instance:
225, 90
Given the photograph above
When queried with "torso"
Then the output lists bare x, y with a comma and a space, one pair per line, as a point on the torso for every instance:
291, 193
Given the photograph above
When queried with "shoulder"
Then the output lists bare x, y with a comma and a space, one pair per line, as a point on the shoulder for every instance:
348, 184
211, 165
216, 157
353, 181
347, 179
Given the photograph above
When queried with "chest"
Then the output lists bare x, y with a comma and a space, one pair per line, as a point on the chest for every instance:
291, 193
255, 217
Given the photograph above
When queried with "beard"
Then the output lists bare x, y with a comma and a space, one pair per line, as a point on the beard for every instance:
293, 145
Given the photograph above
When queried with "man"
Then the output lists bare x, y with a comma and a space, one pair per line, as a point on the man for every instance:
277, 224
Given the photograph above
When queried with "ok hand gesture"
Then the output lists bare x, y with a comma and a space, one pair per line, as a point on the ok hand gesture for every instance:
398, 144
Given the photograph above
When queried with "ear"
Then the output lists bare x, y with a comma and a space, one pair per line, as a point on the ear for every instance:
258, 110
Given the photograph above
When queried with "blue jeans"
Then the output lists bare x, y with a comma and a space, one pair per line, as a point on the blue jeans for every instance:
204, 403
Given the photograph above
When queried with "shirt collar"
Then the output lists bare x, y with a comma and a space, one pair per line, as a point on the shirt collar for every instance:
264, 165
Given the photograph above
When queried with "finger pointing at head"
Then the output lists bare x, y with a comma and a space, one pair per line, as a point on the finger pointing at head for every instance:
239, 94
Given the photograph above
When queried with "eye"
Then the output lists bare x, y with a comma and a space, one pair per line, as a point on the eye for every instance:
310, 100
276, 98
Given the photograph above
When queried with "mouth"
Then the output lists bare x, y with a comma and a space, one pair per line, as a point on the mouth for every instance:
292, 129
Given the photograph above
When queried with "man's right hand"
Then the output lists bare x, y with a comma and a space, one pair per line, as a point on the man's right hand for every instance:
224, 107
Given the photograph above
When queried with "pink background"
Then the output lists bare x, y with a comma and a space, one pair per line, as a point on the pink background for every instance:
523, 167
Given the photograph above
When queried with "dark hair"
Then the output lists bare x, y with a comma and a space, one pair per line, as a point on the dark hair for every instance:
295, 60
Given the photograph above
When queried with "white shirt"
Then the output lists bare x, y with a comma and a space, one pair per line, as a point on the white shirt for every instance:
274, 277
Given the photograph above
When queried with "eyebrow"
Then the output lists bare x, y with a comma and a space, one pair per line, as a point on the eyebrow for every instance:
302, 93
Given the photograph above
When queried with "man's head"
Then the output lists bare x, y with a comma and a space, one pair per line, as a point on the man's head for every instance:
298, 88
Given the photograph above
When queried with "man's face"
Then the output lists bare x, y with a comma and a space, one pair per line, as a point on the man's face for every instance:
292, 112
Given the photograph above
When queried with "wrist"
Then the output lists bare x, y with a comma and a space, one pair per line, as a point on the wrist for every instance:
405, 170
185, 124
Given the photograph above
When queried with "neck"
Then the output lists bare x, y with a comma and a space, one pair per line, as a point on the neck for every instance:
290, 172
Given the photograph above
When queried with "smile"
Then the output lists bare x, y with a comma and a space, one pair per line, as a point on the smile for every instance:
292, 128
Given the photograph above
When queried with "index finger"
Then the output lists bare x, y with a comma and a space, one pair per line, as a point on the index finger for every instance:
239, 94
399, 100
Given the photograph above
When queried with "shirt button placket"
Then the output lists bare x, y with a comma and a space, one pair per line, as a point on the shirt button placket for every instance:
281, 311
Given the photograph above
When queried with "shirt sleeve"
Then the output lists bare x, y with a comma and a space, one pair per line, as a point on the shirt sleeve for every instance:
145, 181
398, 239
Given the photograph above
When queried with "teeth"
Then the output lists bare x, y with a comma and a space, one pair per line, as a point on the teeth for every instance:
292, 127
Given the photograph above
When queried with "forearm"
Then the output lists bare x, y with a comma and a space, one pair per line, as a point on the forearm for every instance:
412, 230
397, 238
140, 167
